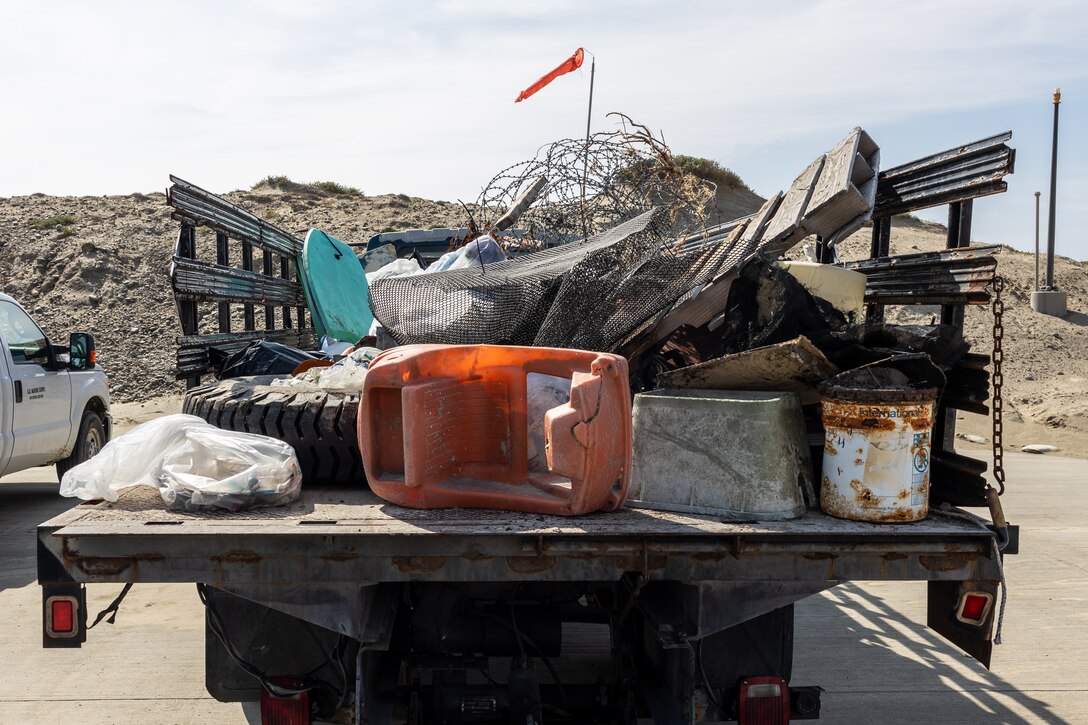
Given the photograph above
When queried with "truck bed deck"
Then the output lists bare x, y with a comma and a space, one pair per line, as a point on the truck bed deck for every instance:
353, 536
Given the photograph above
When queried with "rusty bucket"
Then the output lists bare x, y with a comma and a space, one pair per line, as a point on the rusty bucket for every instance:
876, 449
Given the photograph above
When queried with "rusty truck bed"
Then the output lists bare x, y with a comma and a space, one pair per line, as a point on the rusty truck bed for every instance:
340, 535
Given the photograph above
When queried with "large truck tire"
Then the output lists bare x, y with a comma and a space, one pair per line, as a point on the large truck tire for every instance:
319, 424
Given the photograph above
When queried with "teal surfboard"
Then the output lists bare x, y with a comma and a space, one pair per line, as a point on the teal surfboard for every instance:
334, 284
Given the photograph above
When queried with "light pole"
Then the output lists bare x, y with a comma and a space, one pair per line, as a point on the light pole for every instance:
1053, 195
1049, 300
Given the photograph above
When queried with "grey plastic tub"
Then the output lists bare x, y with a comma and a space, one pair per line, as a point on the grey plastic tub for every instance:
736, 454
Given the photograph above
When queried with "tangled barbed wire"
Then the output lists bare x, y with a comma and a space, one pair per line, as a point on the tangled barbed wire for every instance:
593, 185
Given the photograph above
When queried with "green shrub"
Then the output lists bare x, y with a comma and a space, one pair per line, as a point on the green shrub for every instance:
66, 232
711, 171
284, 183
333, 187
698, 167
57, 220
276, 182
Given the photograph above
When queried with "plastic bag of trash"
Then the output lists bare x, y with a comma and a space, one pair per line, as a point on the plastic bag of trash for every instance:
195, 466
480, 251
396, 268
349, 373
346, 375
262, 358
332, 347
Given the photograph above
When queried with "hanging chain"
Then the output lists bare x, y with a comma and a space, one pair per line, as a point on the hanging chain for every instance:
996, 402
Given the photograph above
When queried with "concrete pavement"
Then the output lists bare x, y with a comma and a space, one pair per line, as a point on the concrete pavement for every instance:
866, 644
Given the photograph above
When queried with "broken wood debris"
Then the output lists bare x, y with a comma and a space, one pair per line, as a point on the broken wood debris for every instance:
825, 199
795, 366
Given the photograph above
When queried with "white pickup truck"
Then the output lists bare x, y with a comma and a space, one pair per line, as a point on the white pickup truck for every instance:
54, 400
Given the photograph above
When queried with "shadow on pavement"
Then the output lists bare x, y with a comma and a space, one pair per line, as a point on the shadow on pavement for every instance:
24, 505
876, 662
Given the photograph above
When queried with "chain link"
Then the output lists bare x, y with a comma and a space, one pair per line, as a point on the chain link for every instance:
997, 378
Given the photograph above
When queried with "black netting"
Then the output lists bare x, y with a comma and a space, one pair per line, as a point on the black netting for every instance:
590, 294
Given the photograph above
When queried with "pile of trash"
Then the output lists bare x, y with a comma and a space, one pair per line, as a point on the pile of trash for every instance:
195, 466
569, 373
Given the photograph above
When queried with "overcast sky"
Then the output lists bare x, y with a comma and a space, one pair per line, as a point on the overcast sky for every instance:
417, 97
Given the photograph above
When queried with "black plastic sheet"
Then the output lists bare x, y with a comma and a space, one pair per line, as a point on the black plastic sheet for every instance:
261, 358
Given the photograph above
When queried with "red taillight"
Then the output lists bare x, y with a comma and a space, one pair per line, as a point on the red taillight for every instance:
974, 607
764, 701
63, 616
290, 710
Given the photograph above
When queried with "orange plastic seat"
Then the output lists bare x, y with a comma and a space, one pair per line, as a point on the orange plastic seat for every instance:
447, 426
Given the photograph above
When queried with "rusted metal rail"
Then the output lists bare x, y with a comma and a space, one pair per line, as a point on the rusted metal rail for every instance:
959, 174
960, 276
197, 282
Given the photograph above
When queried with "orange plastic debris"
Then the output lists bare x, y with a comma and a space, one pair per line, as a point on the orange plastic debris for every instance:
447, 426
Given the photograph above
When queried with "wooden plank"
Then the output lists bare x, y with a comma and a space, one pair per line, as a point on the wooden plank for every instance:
787, 220
795, 366
754, 230
837, 171
838, 206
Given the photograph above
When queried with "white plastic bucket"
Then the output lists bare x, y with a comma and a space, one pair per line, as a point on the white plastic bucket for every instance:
843, 288
876, 453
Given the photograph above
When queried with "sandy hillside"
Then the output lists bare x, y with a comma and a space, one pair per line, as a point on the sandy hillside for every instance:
103, 267
99, 264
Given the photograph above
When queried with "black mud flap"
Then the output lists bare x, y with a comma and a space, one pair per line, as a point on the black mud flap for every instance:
973, 638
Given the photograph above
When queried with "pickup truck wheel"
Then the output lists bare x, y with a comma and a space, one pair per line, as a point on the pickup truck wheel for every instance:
319, 424
92, 436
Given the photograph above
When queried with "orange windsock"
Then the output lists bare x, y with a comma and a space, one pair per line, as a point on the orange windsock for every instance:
572, 63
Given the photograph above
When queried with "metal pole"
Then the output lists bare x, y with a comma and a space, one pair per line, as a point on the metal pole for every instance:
1053, 192
589, 114
1037, 195
585, 170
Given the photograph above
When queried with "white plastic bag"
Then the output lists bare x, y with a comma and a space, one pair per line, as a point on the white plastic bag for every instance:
345, 375
396, 268
348, 374
479, 252
195, 466
333, 347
